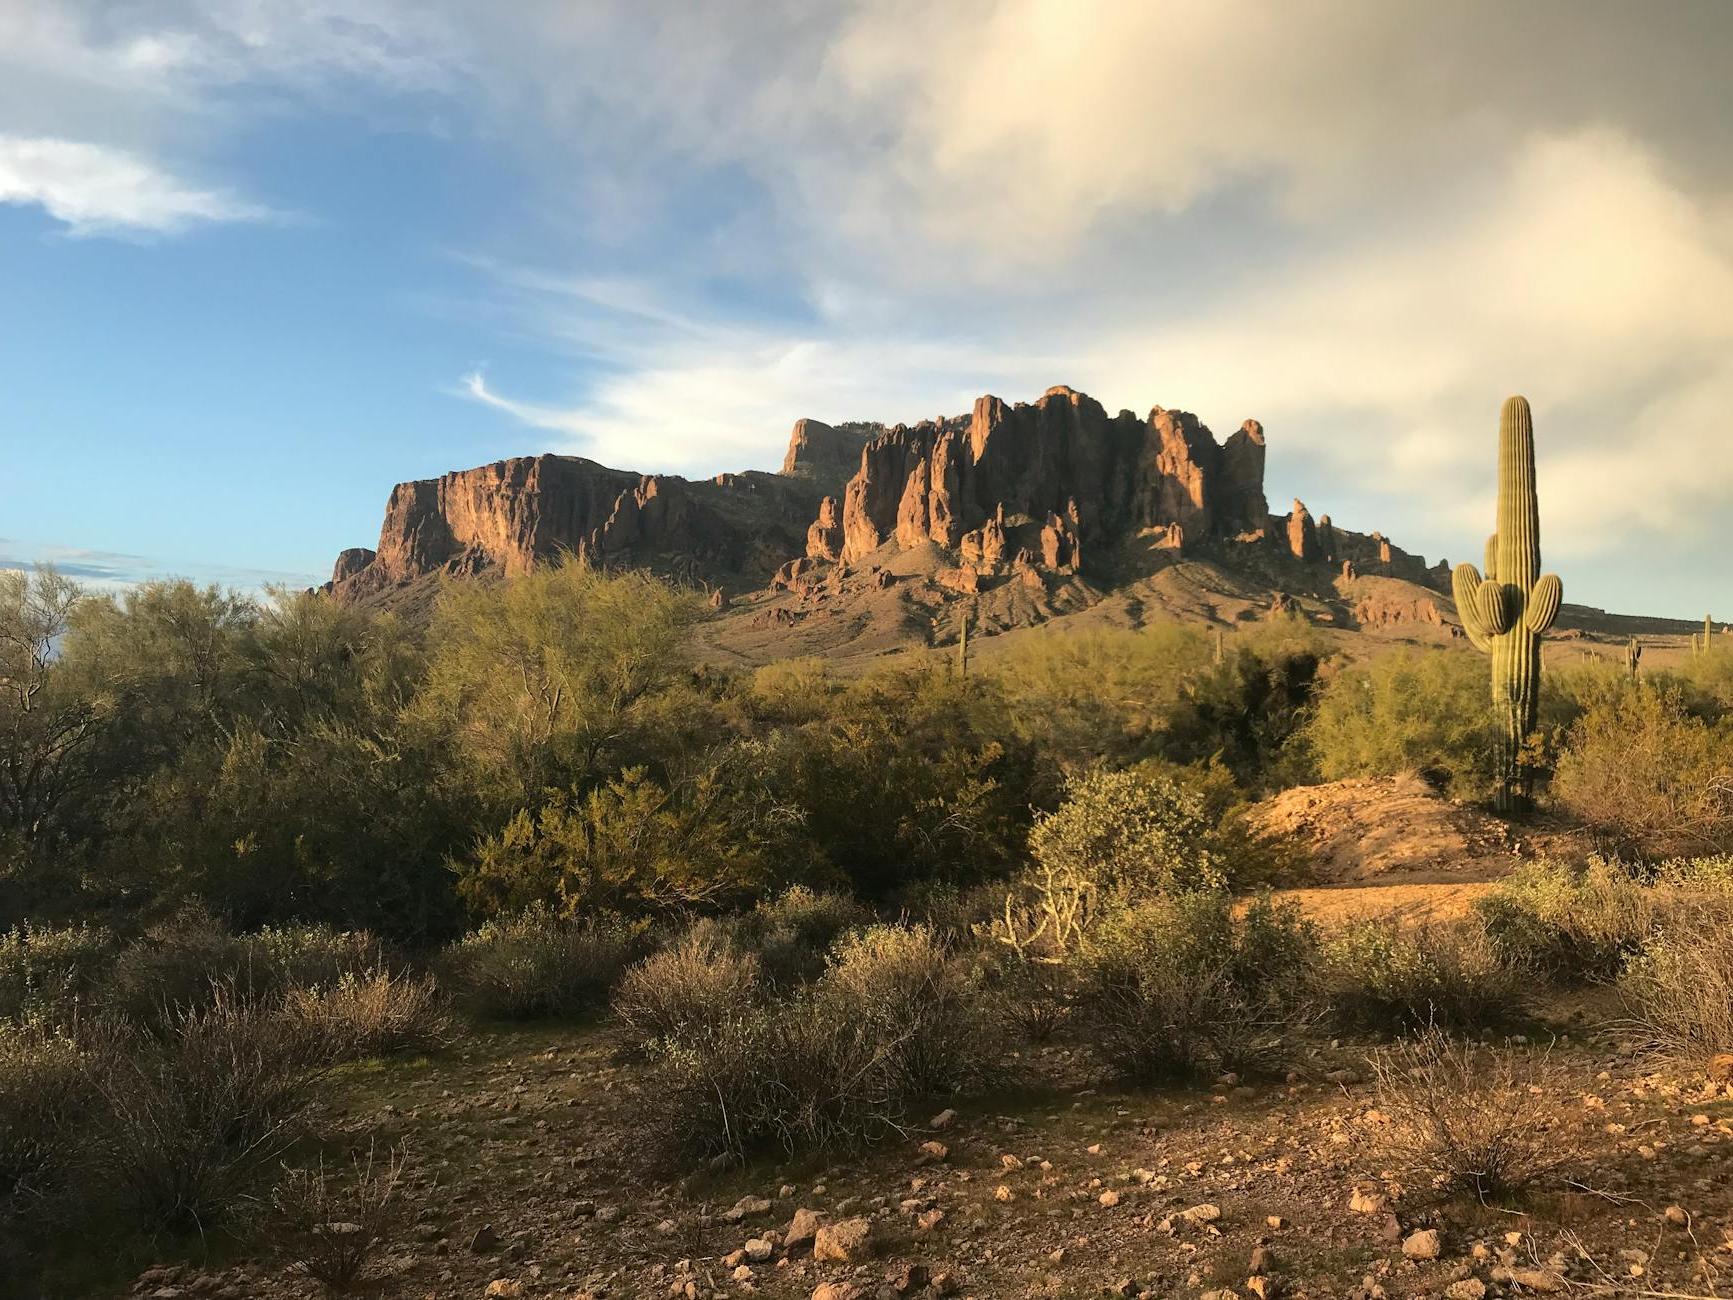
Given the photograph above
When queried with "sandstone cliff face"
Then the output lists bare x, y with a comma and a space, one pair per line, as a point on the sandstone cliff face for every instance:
507, 516
1040, 483
1031, 492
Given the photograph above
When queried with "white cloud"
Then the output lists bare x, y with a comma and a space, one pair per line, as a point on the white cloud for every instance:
96, 190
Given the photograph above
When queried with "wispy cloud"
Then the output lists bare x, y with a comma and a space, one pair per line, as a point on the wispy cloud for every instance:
117, 570
99, 191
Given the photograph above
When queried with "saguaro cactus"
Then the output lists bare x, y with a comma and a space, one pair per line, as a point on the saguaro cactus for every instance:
1633, 658
1506, 612
1700, 644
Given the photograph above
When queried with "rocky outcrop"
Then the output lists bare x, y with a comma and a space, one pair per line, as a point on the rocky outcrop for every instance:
827, 453
1041, 483
509, 515
1302, 533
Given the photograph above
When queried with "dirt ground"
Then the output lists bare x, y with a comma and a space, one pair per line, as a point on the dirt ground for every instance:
533, 1179
531, 1174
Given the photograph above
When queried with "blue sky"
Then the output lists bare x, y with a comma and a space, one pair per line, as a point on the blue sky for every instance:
260, 261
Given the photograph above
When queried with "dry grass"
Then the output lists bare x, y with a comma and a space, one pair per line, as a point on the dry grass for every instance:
377, 1014
1679, 993
1462, 1118
330, 1226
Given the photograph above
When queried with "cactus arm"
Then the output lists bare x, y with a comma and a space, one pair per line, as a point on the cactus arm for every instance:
1492, 557
1544, 599
1492, 602
1465, 583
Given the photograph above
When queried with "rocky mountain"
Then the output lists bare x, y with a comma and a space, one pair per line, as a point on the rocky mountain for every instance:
1026, 511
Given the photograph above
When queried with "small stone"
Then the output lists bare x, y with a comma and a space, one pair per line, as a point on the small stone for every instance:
930, 1220
1010, 1163
802, 1228
1676, 1215
484, 1240
1003, 1194
1366, 1201
944, 1119
1425, 1244
742, 1273
758, 1250
1201, 1214
503, 1288
1108, 1199
1274, 1221
848, 1240
1537, 1279
837, 1291
934, 1151
1470, 1288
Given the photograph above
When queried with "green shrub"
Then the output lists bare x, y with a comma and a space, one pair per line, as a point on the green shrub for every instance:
792, 932
52, 976
1182, 987
47, 1110
1420, 711
1120, 837
1652, 779
689, 992
1387, 976
1583, 923
538, 964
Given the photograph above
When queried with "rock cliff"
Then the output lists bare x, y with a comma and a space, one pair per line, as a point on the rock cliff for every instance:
1046, 494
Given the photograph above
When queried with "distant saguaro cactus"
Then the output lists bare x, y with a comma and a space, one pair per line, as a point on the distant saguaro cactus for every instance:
1700, 645
963, 647
1633, 658
1506, 613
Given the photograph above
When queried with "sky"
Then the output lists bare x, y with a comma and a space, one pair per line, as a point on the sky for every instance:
262, 259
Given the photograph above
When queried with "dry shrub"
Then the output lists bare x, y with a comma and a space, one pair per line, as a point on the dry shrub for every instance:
199, 1112
895, 1019
539, 964
1679, 992
1385, 976
377, 1014
1586, 923
1184, 987
684, 993
330, 1226
1466, 1118
792, 932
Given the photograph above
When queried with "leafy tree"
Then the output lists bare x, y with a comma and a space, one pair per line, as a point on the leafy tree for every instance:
538, 681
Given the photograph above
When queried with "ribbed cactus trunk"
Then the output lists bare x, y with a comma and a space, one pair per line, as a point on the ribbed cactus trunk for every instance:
1507, 612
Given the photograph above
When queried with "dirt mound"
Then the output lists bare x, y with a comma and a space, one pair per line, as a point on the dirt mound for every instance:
1372, 828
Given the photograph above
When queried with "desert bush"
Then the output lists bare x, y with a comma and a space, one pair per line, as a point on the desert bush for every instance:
1679, 993
47, 1109
197, 1114
538, 964
52, 976
1409, 711
1652, 779
1118, 838
381, 1013
1584, 923
180, 962
1182, 987
894, 1019
688, 992
1385, 976
922, 1006
1460, 1117
331, 1225
795, 930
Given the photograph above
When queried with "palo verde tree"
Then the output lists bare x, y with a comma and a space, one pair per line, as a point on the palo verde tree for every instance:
1506, 613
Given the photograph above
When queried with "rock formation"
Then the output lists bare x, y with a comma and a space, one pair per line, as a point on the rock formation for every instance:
507, 516
1043, 482
1038, 492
